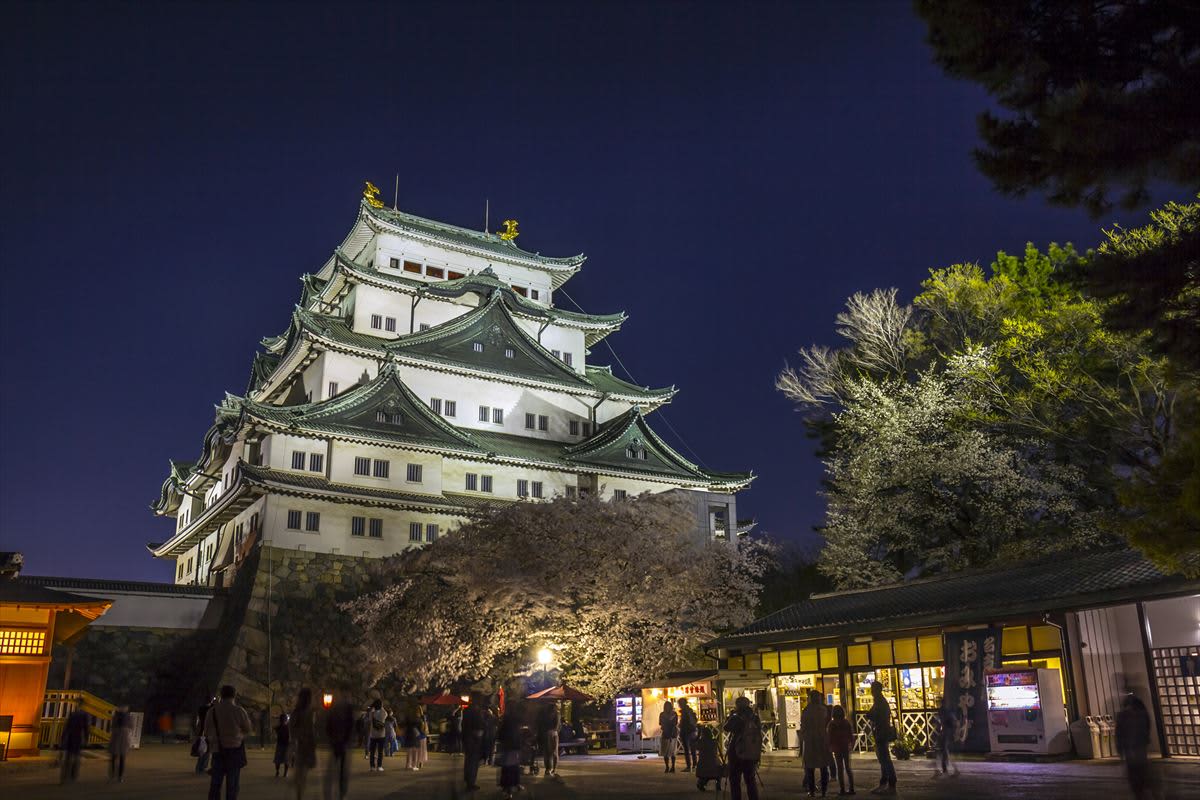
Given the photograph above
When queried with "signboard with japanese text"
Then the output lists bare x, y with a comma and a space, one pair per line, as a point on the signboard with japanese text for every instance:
968, 655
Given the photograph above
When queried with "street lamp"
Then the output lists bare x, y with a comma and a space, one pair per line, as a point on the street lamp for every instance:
327, 699
544, 656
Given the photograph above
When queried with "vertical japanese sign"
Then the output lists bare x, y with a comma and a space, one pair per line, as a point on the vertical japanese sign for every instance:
968, 654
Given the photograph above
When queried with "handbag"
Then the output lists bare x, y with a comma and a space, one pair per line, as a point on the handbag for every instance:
199, 747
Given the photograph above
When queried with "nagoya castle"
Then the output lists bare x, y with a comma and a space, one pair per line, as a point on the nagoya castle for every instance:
426, 375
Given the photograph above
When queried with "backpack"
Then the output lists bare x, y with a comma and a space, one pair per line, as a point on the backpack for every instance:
376, 724
748, 746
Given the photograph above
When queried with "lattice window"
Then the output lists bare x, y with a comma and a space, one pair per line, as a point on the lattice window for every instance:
22, 642
918, 725
1177, 675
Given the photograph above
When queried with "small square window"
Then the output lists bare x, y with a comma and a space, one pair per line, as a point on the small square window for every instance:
376, 528
413, 475
567, 359
484, 412
508, 352
312, 521
435, 272
389, 324
485, 483
333, 387
477, 347
571, 491
533, 293
376, 321
543, 422
298, 459
522, 487
435, 405
574, 427
452, 275
412, 266
521, 290
358, 526
536, 489
472, 483
362, 466
620, 494
382, 468
394, 263
556, 354
316, 462
381, 416
498, 416
530, 420
293, 520
424, 326
431, 533
414, 531
451, 408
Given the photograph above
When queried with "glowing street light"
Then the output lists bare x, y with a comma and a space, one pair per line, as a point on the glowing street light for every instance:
327, 699
544, 656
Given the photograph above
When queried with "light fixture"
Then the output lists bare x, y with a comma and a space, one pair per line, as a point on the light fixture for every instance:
327, 699
465, 698
544, 656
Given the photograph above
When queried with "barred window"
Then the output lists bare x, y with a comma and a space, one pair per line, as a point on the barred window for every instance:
358, 526
333, 388
312, 521
571, 491
424, 326
376, 321
536, 489
451, 408
556, 354
382, 468
477, 347
498, 416
529, 421
508, 352
293, 521
414, 473
414, 531
620, 494
472, 482
298, 459
431, 533
389, 324
316, 462
485, 483
522, 487
435, 405
574, 426
543, 422
567, 359
376, 528
484, 412
362, 465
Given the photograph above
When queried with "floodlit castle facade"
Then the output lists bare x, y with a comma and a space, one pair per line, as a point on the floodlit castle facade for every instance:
426, 376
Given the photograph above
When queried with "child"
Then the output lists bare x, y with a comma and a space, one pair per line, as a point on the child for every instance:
840, 736
283, 737
708, 762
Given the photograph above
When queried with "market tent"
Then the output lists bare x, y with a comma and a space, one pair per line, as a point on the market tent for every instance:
562, 692
443, 699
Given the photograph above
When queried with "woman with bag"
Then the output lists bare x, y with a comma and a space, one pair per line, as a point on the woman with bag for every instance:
881, 722
668, 723
813, 736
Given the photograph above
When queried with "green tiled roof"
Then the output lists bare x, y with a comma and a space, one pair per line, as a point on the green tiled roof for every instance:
261, 368
1059, 583
477, 240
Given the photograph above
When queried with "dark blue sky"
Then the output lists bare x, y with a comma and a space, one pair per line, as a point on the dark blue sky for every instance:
733, 171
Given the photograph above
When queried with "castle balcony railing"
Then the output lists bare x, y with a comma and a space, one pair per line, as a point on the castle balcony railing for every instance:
58, 705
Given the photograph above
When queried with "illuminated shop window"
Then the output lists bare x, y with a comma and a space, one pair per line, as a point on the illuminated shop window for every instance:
22, 643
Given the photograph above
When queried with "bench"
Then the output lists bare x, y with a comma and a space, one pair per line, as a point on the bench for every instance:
580, 746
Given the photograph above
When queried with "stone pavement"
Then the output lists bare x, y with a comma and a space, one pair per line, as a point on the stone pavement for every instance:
165, 772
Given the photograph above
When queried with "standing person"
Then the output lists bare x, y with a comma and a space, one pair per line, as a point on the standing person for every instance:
392, 744
687, 733
74, 737
339, 729
668, 723
814, 722
548, 722
360, 732
226, 728
1133, 739
119, 743
283, 738
708, 762
947, 721
840, 736
412, 740
881, 722
302, 733
376, 734
490, 727
166, 724
745, 749
200, 747
454, 731
472, 722
509, 739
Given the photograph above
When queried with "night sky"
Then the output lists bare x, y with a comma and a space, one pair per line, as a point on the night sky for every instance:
733, 172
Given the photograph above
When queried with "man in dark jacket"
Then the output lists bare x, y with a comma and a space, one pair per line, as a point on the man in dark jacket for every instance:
881, 723
745, 749
74, 737
548, 721
1133, 740
340, 729
491, 725
687, 734
472, 741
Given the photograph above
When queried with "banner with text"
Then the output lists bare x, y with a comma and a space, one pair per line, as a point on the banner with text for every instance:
968, 654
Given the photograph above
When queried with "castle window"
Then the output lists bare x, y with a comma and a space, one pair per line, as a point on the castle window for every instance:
521, 290
498, 416
483, 413
382, 468
530, 419
571, 491
358, 525
435, 272
574, 427
376, 321
620, 494
389, 324
333, 387
362, 465
477, 347
533, 293
293, 520
567, 359
435, 405
312, 521
536, 489
414, 473
508, 352
298, 459
394, 263
522, 488
556, 354
376, 528
316, 462
543, 422
424, 326
414, 531
412, 266
485, 483
452, 275
472, 482
431, 533
451, 408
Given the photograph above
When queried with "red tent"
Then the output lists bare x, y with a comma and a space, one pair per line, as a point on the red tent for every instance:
560, 693
443, 699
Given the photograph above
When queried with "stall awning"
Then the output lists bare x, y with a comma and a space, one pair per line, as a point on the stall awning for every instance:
744, 678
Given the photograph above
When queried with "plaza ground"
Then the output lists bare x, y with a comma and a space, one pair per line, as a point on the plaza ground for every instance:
165, 771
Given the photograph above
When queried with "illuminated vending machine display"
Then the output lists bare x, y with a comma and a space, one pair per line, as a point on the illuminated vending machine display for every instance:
1025, 711
629, 722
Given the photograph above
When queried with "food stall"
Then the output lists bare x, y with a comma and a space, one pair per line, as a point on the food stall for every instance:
754, 684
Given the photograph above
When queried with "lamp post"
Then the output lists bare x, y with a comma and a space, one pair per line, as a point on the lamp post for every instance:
544, 656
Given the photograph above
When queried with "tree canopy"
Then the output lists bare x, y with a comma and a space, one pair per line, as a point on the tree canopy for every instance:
620, 591
1101, 95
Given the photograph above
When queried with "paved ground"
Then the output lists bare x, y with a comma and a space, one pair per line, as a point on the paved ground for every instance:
157, 772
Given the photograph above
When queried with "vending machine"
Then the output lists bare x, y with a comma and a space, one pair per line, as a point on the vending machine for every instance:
629, 722
1025, 711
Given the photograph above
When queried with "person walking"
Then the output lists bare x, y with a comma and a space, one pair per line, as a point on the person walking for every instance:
840, 736
302, 735
376, 734
668, 723
1133, 740
509, 755
814, 738
687, 734
412, 740
548, 722
881, 723
947, 722
119, 743
454, 731
283, 737
166, 726
708, 760
491, 725
339, 730
74, 737
226, 728
200, 747
472, 722
393, 744
745, 749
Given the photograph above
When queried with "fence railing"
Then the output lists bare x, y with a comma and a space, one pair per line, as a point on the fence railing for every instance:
58, 705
